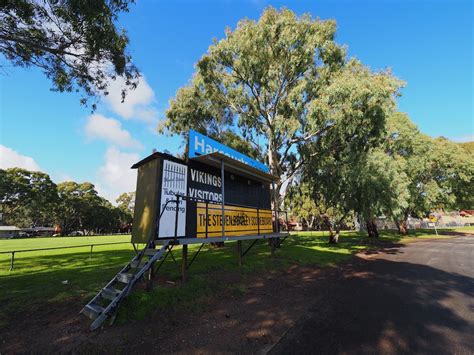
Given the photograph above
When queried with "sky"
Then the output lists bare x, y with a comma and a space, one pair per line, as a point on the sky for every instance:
428, 44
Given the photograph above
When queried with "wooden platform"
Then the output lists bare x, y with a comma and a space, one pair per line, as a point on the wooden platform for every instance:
186, 240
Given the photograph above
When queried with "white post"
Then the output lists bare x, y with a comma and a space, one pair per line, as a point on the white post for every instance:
275, 207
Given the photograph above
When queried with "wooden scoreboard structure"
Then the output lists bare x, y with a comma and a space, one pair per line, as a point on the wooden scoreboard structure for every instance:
215, 195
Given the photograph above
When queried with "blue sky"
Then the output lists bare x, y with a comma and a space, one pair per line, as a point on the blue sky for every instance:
429, 44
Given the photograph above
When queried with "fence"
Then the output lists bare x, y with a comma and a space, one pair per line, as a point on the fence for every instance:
416, 223
13, 252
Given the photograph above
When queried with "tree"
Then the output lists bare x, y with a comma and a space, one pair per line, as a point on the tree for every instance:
468, 146
306, 202
30, 198
283, 82
302, 205
107, 217
76, 43
76, 210
331, 178
125, 207
381, 189
81, 208
27, 197
366, 179
126, 202
438, 172
454, 174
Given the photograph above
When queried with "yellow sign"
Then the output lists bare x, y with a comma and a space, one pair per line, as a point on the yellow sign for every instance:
238, 220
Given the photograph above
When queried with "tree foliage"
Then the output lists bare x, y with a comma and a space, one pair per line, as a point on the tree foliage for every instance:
282, 82
402, 174
27, 197
126, 205
76, 43
307, 204
31, 199
438, 173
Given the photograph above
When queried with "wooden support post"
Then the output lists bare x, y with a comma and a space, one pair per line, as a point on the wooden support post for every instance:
149, 279
12, 261
272, 246
184, 262
239, 251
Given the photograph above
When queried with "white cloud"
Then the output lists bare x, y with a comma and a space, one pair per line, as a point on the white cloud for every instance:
464, 139
115, 176
110, 130
59, 177
112, 178
10, 158
138, 103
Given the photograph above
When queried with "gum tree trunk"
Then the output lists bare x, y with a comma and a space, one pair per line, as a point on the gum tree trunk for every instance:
402, 225
334, 233
372, 228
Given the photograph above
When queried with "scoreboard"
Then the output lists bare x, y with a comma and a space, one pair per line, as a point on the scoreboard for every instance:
230, 197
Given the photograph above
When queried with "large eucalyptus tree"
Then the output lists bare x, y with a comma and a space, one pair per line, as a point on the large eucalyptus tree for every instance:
282, 82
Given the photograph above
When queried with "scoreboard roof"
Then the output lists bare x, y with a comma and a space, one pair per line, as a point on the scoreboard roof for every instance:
155, 156
215, 159
235, 166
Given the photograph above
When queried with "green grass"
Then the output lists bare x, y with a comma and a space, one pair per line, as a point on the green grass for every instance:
393, 236
50, 242
38, 279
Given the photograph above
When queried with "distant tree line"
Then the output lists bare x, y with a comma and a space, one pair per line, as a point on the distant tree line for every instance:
31, 199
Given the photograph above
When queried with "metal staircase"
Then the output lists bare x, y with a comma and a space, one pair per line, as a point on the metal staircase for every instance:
107, 301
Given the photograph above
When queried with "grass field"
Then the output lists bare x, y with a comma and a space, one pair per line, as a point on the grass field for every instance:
71, 276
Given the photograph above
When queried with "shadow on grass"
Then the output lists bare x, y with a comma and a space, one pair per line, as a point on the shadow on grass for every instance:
46, 279
40, 280
216, 269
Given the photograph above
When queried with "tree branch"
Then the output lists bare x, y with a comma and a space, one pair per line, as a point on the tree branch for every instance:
38, 46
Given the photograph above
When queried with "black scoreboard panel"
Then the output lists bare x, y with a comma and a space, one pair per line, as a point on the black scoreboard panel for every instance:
243, 191
204, 183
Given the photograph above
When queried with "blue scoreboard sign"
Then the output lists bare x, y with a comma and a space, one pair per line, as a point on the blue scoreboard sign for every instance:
200, 144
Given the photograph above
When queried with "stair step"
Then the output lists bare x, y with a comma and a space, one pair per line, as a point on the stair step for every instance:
151, 251
115, 293
92, 310
124, 277
109, 293
135, 263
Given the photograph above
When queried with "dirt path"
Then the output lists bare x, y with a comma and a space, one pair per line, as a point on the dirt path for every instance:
249, 321
418, 299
